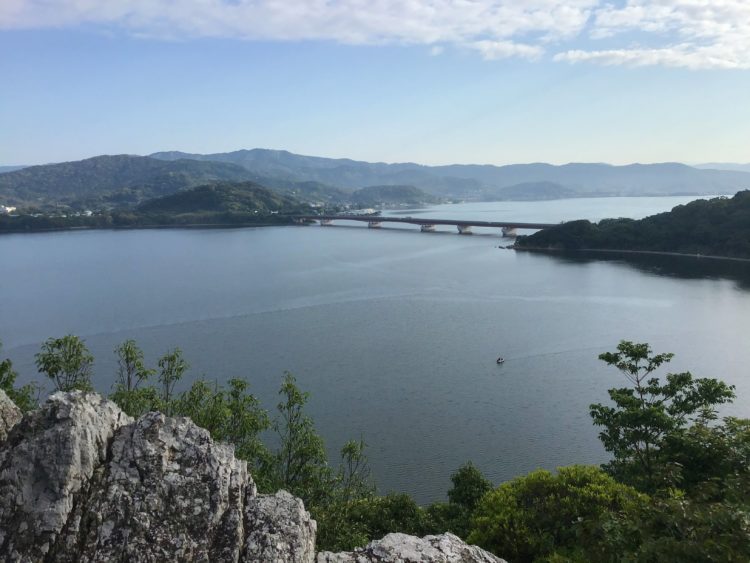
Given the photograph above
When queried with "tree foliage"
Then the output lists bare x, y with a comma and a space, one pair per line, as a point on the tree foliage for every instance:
172, 366
131, 393
535, 516
301, 463
650, 411
25, 397
678, 527
719, 226
67, 362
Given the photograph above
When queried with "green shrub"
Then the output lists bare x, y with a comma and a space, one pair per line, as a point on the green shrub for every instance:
533, 517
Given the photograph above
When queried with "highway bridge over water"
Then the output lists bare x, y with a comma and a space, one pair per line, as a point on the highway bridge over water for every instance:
509, 228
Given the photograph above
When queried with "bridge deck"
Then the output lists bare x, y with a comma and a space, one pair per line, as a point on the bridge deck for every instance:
425, 221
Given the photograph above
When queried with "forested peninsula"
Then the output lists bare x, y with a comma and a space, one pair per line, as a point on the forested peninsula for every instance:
716, 227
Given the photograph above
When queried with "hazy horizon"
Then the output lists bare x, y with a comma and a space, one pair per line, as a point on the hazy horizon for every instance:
735, 165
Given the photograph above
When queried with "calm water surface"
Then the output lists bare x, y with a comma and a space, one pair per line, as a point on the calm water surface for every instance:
394, 332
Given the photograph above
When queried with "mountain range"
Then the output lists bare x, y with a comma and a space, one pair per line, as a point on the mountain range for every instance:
126, 180
473, 181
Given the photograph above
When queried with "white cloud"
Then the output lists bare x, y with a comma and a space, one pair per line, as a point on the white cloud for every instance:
682, 33
695, 34
492, 50
494, 27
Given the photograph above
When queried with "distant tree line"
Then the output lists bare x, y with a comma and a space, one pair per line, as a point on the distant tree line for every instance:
676, 489
129, 219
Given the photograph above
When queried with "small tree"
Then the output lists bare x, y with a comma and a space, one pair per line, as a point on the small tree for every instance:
649, 411
67, 362
339, 525
301, 461
469, 486
131, 373
131, 370
172, 367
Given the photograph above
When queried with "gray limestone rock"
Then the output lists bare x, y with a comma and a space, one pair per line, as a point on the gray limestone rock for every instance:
46, 467
168, 492
400, 548
10, 414
279, 530
82, 481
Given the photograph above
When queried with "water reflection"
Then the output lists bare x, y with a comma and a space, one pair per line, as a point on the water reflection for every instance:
684, 267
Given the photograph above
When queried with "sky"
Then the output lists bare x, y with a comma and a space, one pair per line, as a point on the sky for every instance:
432, 81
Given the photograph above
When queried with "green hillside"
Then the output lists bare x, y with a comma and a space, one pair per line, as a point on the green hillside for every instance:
719, 226
121, 179
245, 197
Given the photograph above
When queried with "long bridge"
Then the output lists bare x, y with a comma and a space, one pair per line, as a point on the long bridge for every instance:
426, 225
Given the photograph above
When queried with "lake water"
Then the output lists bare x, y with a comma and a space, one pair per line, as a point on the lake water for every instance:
394, 332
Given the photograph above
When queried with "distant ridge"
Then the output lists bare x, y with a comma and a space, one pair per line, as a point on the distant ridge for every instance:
473, 181
725, 166
125, 180
4, 169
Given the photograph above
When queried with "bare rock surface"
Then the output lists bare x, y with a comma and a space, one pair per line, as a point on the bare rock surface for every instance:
167, 493
278, 530
46, 467
81, 481
10, 415
401, 548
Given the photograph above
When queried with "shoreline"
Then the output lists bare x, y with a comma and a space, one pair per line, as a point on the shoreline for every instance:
143, 227
641, 252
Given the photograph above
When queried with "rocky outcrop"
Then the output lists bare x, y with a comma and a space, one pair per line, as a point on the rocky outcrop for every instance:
82, 481
400, 548
278, 530
46, 467
10, 415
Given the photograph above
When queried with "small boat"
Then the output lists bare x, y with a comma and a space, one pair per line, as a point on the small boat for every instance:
500, 360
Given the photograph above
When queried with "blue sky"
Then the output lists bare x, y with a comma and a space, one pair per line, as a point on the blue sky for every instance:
434, 81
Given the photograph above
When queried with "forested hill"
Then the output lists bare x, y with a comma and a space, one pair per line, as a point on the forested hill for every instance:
217, 204
391, 195
124, 178
718, 227
245, 197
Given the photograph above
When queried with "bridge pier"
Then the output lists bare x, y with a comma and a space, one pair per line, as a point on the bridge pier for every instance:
464, 229
326, 222
509, 232
427, 228
374, 224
